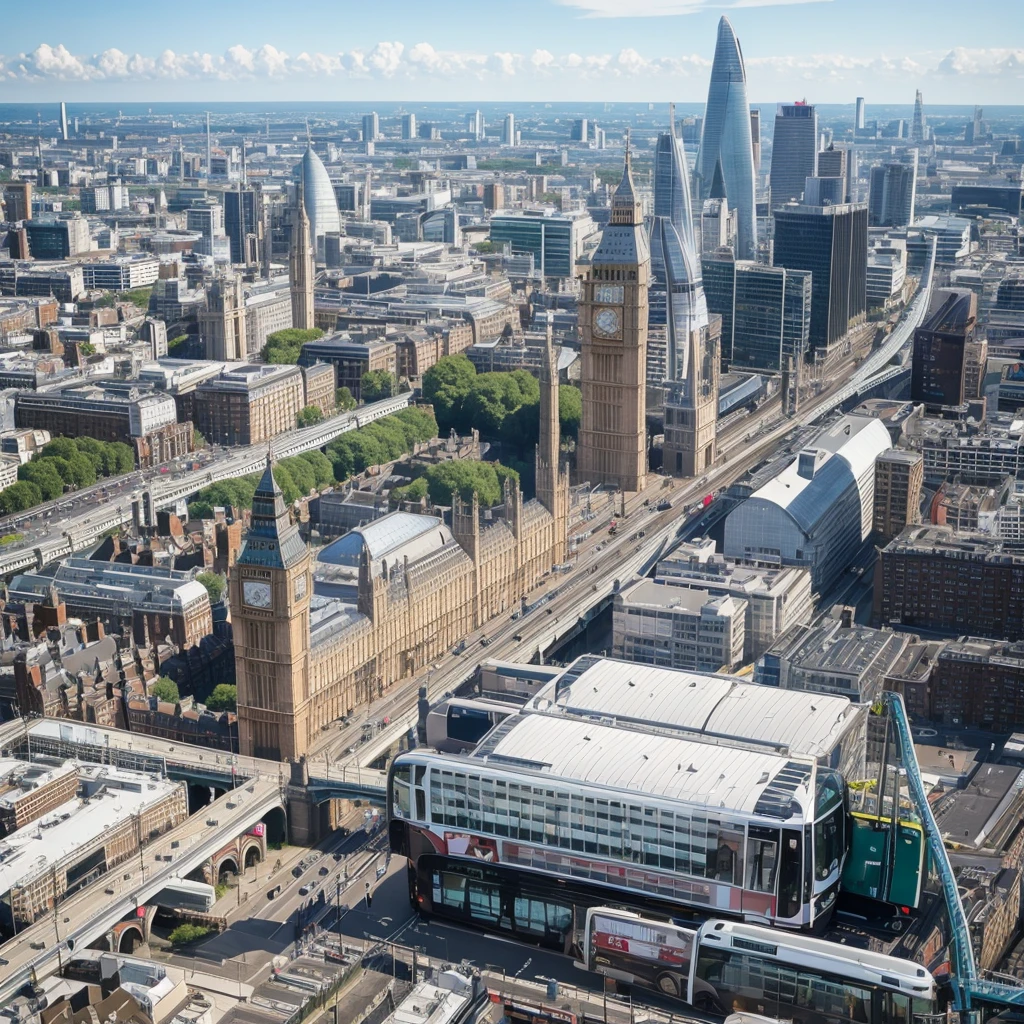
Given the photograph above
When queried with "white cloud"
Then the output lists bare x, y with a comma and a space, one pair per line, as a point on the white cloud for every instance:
669, 8
422, 63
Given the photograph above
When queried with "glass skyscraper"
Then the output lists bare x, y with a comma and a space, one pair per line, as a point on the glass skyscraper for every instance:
794, 151
726, 141
672, 183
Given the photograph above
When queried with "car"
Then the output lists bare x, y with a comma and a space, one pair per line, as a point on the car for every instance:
485, 641
304, 891
297, 871
325, 870
517, 637
550, 611
274, 892
664, 506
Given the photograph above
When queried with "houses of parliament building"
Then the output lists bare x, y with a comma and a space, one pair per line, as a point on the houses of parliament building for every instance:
315, 640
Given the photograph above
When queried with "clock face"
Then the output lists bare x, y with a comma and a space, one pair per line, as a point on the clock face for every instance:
300, 586
606, 322
256, 595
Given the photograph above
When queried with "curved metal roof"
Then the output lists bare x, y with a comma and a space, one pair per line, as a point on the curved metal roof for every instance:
318, 195
395, 536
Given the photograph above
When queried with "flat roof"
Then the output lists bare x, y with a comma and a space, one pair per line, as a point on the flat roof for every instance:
707, 705
662, 766
690, 600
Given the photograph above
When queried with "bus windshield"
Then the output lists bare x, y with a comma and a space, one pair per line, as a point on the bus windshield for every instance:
829, 826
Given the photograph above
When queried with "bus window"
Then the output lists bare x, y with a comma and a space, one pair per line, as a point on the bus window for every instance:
828, 844
725, 864
400, 806
452, 890
895, 1008
762, 853
789, 873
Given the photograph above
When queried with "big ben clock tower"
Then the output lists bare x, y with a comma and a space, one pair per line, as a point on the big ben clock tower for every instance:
612, 446
270, 592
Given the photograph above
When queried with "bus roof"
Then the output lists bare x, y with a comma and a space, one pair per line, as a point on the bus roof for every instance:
717, 778
795, 722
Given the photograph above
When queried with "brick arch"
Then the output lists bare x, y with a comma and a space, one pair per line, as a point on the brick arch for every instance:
252, 852
127, 936
225, 857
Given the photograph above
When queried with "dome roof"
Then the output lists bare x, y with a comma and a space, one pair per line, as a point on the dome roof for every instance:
318, 194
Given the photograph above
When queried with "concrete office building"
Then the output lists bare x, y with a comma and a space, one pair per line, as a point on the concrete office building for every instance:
794, 151
892, 194
222, 323
371, 127
776, 599
58, 238
249, 404
675, 627
613, 316
940, 344
726, 148
121, 273
832, 243
17, 199
836, 657
149, 601
819, 510
555, 240
508, 130
899, 478
351, 356
408, 127
932, 578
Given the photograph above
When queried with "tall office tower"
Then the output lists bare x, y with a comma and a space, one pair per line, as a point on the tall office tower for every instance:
672, 182
940, 347
18, 200
552, 477
726, 148
718, 273
371, 127
508, 130
974, 131
794, 151
476, 126
301, 267
612, 445
755, 138
893, 193
494, 196
580, 130
271, 588
222, 323
832, 162
821, 191
209, 146
899, 479
243, 223
408, 126
321, 205
858, 122
918, 127
64, 121
832, 243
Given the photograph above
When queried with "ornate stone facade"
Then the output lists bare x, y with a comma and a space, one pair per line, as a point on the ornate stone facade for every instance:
389, 597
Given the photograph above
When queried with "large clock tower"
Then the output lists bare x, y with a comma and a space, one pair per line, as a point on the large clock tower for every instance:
612, 447
270, 591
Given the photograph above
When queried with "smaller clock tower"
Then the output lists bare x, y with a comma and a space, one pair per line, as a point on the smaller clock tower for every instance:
612, 447
270, 592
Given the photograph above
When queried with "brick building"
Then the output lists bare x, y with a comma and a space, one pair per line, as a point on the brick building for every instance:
899, 476
28, 791
249, 404
319, 387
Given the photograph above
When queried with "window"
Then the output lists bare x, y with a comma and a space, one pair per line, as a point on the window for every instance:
761, 858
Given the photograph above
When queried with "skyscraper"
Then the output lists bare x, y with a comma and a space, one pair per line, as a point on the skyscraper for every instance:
794, 151
408, 126
832, 243
893, 193
755, 138
508, 130
301, 268
940, 345
725, 140
243, 223
475, 123
858, 122
64, 121
613, 342
371, 127
318, 194
672, 183
580, 130
918, 128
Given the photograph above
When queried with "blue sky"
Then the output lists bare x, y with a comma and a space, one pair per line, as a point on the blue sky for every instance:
825, 50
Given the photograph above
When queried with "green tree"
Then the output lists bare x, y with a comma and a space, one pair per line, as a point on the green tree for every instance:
137, 296
286, 346
415, 491
185, 934
44, 475
198, 441
19, 497
176, 345
485, 247
165, 689
83, 472
62, 447
377, 384
465, 477
570, 409
308, 415
223, 698
323, 472
343, 399
446, 385
214, 584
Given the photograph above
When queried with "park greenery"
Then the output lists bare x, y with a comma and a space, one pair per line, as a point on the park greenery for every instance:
137, 296
165, 689
223, 698
186, 934
65, 464
214, 584
285, 347
309, 415
380, 442
343, 400
375, 385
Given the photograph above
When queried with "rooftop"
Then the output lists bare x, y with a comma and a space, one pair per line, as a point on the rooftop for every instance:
652, 594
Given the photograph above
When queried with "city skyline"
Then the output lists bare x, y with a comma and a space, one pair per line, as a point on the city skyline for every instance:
559, 50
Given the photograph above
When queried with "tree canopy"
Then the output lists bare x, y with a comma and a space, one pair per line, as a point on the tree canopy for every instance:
466, 476
343, 399
214, 583
286, 346
377, 384
308, 415
446, 385
223, 698
165, 689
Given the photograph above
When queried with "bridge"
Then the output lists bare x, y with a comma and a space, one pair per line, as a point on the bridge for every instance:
39, 949
163, 490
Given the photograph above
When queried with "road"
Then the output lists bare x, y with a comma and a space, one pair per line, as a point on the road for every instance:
77, 520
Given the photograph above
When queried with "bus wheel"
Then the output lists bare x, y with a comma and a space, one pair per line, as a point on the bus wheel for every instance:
669, 984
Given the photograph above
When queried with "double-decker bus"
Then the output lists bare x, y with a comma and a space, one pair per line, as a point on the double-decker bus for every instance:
725, 967
549, 816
